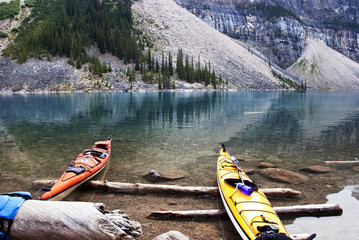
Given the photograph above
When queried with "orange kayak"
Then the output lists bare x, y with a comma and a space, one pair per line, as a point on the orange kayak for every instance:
84, 167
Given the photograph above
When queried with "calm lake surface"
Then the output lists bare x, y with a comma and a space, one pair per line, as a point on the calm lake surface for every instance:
180, 131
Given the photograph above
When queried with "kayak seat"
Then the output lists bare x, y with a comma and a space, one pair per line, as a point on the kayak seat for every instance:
102, 146
77, 170
234, 181
95, 153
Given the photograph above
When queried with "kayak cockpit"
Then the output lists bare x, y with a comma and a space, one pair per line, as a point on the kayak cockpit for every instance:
233, 182
96, 153
77, 170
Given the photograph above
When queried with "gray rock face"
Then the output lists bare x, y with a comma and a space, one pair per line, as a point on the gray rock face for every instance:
35, 75
281, 26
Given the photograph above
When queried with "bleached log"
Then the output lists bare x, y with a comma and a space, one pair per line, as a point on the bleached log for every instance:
302, 236
43, 220
356, 161
288, 211
316, 210
153, 188
281, 192
142, 188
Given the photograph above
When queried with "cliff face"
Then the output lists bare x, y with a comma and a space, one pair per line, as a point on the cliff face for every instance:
280, 28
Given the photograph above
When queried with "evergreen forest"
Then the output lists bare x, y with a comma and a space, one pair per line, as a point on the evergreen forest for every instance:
67, 28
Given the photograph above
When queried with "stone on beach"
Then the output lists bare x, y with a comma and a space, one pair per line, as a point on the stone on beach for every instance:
247, 158
285, 176
266, 165
154, 176
172, 235
317, 169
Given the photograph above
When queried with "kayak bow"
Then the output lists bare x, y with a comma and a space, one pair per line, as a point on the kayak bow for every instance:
84, 167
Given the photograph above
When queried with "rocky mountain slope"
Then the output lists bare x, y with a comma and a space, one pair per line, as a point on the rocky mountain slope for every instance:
324, 68
280, 27
172, 27
169, 27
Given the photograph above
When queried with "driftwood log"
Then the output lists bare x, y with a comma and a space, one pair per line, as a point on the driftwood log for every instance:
283, 212
43, 220
317, 210
303, 236
142, 188
356, 161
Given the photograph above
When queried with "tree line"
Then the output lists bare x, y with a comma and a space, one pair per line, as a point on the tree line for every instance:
161, 70
9, 9
67, 27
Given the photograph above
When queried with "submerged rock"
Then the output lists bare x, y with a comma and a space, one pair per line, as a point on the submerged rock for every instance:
249, 171
154, 176
317, 169
247, 158
172, 235
281, 175
266, 165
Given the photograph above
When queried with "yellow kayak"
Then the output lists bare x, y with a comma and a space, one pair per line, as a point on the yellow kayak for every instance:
247, 206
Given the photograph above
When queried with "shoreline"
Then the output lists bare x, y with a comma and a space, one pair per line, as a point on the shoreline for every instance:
207, 229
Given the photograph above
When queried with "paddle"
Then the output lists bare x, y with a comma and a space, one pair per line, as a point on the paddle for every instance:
239, 186
234, 160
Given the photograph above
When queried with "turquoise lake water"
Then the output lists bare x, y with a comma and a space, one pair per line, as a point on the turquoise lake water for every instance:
180, 131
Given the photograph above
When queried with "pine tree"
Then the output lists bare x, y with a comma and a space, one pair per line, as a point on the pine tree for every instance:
213, 80
159, 82
163, 63
78, 63
187, 70
149, 59
157, 66
180, 67
170, 63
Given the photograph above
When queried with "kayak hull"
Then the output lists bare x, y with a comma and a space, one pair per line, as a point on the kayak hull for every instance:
84, 167
248, 208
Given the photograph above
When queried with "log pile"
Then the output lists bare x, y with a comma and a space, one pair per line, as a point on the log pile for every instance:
111, 225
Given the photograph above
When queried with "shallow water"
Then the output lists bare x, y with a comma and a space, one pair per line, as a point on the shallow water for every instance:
182, 131
342, 227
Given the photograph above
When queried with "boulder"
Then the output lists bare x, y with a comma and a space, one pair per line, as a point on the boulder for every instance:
266, 165
317, 169
172, 235
247, 158
249, 171
285, 176
154, 176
